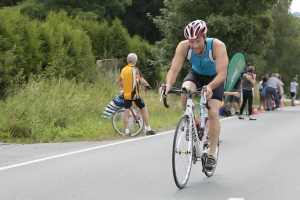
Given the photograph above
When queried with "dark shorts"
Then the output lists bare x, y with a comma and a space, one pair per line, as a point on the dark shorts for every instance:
293, 94
201, 80
139, 102
232, 98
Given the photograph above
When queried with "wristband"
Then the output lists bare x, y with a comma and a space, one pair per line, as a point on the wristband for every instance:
148, 87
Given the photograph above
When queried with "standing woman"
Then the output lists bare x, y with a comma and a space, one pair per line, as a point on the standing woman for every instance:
294, 88
248, 81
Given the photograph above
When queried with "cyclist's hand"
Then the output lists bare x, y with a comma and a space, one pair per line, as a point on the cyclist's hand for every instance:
209, 93
163, 90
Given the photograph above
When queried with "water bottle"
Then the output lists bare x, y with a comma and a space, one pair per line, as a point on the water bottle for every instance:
198, 129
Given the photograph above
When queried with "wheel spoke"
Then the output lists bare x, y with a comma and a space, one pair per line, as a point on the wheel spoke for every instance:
182, 153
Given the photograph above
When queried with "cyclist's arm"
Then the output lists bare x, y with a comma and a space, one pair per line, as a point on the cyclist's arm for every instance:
144, 82
120, 81
221, 57
177, 62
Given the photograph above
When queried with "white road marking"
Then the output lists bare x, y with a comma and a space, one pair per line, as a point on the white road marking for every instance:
88, 149
79, 151
236, 199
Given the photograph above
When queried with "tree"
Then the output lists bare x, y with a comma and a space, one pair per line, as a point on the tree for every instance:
9, 2
103, 9
244, 26
283, 55
136, 21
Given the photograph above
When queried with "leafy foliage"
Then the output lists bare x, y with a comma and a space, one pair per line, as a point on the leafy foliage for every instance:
283, 55
102, 9
52, 48
244, 26
136, 21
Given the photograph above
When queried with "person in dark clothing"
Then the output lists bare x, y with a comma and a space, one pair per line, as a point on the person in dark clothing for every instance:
247, 84
234, 99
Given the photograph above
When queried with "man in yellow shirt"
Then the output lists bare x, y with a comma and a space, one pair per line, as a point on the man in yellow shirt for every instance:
129, 80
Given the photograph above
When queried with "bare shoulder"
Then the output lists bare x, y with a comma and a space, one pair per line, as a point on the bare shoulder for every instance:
218, 44
182, 48
183, 44
219, 49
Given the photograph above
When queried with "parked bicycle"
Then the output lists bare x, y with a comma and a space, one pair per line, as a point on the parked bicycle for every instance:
189, 144
136, 122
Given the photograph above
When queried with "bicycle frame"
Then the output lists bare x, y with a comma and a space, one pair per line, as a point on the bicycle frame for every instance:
134, 115
197, 143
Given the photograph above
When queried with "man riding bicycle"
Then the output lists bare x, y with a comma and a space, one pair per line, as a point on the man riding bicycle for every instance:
209, 67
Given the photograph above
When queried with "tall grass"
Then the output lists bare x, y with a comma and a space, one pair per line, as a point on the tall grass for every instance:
63, 110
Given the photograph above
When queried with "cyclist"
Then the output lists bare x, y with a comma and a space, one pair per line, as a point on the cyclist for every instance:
209, 67
129, 80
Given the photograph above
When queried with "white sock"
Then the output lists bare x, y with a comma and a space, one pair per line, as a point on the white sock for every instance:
127, 130
148, 128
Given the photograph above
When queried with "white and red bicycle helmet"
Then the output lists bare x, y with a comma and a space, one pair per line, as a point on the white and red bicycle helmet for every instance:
195, 29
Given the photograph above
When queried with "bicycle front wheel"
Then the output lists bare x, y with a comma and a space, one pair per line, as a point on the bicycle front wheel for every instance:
182, 153
135, 122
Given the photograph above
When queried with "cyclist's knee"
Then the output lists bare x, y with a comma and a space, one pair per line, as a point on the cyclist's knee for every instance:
213, 115
189, 85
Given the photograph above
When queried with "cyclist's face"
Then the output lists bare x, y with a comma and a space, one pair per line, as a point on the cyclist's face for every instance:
197, 45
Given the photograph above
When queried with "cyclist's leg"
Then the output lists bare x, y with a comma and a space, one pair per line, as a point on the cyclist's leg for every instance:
141, 105
127, 105
214, 129
190, 82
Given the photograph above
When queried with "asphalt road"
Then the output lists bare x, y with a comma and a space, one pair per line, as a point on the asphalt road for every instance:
258, 160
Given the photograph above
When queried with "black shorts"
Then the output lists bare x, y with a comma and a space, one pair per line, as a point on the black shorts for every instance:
232, 98
139, 102
293, 94
201, 80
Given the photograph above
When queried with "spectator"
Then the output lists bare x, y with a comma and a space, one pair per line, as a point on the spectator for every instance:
234, 99
260, 87
242, 74
294, 88
247, 84
272, 84
280, 90
129, 80
263, 91
267, 76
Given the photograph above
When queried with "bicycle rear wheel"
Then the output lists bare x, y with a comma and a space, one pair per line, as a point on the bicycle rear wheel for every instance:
135, 122
206, 172
182, 153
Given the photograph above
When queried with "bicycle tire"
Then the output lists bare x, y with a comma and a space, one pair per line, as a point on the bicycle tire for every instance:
206, 172
182, 153
134, 127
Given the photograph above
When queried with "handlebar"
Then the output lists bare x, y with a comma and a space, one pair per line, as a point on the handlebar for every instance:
184, 91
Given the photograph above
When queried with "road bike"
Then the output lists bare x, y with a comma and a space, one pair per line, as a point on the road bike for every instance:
135, 122
190, 144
